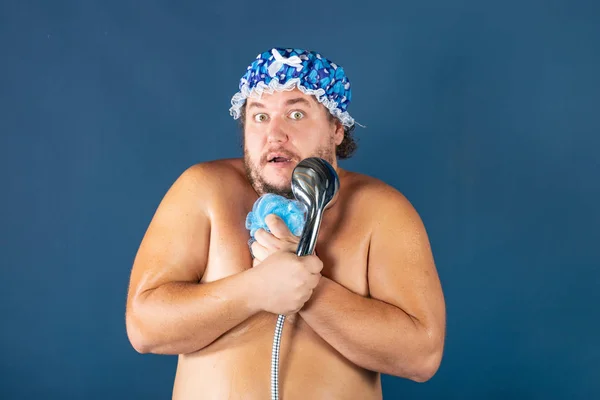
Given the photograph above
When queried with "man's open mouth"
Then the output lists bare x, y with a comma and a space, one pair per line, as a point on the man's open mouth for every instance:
279, 159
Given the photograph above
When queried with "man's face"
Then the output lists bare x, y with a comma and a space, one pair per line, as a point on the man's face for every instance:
282, 129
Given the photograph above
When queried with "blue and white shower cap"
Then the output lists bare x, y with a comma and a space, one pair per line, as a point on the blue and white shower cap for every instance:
286, 69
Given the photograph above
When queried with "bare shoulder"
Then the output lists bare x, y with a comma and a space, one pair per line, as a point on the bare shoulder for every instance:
208, 179
214, 172
376, 198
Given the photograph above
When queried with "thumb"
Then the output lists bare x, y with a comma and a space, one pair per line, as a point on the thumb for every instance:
278, 227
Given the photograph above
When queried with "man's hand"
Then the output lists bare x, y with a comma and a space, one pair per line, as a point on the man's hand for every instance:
285, 282
280, 239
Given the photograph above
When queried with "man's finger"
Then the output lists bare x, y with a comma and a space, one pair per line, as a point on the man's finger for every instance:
259, 251
278, 227
266, 239
313, 265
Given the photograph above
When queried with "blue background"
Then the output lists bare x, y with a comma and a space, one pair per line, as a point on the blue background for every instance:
484, 114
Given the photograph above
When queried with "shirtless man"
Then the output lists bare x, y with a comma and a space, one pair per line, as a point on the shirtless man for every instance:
368, 301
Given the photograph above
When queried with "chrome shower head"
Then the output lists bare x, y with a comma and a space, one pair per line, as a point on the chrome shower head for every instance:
315, 184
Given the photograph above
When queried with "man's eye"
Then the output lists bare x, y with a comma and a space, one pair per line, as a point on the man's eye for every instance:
297, 115
260, 117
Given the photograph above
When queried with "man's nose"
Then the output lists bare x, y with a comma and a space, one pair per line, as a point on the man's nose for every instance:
276, 132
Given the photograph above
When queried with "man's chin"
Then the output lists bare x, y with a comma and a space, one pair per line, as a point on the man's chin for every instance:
280, 187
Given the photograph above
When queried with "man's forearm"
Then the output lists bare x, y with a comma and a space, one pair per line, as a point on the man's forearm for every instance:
370, 333
182, 317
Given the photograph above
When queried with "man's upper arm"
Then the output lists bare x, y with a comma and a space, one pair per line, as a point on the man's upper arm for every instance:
401, 268
175, 245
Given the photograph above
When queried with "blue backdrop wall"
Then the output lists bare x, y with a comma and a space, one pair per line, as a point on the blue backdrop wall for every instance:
484, 114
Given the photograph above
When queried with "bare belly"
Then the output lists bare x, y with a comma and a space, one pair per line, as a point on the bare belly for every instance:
238, 366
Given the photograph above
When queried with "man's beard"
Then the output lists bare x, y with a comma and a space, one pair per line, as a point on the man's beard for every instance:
253, 172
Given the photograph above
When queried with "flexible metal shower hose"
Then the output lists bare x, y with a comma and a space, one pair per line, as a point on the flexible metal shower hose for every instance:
275, 358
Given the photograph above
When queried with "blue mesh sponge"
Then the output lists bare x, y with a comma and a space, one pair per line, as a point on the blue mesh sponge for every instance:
292, 212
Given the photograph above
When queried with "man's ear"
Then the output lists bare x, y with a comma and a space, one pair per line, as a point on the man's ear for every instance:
338, 135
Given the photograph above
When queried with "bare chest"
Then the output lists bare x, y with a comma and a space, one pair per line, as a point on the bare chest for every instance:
342, 245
